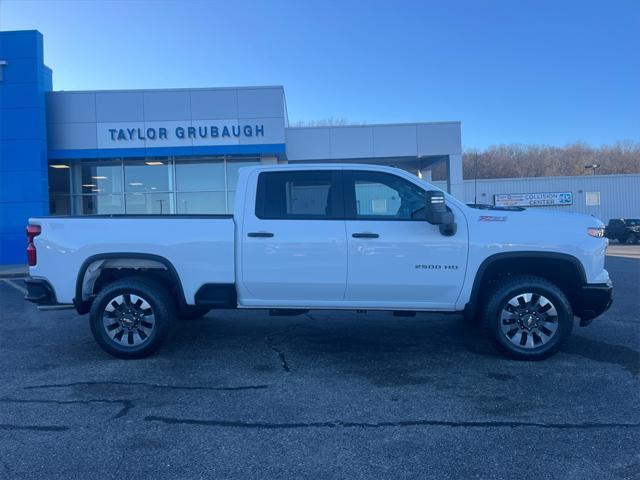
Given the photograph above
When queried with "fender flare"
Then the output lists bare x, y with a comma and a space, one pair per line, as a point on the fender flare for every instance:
83, 307
471, 306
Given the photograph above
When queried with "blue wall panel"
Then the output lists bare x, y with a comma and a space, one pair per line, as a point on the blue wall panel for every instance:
20, 95
18, 155
23, 44
13, 215
23, 186
22, 123
23, 140
13, 248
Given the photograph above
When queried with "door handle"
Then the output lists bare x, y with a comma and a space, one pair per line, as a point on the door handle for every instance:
365, 235
260, 234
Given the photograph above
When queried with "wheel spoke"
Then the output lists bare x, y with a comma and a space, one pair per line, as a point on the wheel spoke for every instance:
528, 320
128, 320
517, 337
113, 326
537, 339
535, 298
510, 308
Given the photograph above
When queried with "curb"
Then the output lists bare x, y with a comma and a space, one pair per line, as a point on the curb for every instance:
13, 275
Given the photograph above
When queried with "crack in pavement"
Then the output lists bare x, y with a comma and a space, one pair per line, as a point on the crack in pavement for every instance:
127, 405
404, 423
37, 428
283, 359
269, 340
144, 384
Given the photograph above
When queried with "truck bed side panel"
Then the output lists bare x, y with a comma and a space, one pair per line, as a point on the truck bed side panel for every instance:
200, 249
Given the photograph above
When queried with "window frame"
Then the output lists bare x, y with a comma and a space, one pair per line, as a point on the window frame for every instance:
336, 197
350, 202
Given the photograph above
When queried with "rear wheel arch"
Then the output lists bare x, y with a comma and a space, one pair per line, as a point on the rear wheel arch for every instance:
121, 265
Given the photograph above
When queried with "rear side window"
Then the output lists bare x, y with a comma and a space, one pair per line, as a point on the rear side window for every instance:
299, 195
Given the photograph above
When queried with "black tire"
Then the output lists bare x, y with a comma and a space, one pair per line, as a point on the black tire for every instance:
192, 312
547, 334
632, 239
160, 305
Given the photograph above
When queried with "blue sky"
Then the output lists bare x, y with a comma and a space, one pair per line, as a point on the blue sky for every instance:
547, 72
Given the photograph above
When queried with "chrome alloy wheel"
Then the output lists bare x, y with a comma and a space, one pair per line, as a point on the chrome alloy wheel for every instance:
529, 320
128, 320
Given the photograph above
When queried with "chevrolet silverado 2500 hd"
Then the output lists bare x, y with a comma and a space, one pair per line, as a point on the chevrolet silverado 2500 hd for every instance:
326, 236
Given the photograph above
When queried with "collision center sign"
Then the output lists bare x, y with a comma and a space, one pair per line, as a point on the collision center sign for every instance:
547, 199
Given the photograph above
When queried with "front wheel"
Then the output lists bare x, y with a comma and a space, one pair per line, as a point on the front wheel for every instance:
632, 239
528, 317
130, 318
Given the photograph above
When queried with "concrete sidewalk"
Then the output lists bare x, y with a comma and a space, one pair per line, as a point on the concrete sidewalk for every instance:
13, 271
622, 250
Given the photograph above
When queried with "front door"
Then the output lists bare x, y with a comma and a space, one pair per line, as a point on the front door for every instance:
294, 245
397, 259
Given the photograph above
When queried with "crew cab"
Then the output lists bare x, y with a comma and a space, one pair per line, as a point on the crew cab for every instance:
358, 237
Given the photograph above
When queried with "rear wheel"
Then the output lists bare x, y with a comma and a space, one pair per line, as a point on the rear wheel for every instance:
130, 318
528, 317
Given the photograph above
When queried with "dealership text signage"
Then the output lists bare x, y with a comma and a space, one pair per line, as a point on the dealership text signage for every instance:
223, 132
532, 199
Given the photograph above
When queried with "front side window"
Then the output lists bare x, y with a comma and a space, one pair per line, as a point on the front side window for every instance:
309, 194
382, 196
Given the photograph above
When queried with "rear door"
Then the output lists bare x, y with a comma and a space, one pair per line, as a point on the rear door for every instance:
294, 249
396, 258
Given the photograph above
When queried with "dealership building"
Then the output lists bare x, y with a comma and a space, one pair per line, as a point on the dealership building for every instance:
171, 151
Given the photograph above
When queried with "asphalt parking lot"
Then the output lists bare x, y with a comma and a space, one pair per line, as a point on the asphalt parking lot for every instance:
326, 395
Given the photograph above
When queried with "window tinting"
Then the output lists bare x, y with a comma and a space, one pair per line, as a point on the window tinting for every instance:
377, 195
298, 195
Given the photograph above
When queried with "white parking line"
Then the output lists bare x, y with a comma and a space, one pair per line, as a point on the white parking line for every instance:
14, 285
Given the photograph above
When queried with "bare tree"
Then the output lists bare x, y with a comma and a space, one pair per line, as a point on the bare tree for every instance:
509, 161
325, 122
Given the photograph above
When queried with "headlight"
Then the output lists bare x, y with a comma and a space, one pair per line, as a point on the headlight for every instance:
597, 232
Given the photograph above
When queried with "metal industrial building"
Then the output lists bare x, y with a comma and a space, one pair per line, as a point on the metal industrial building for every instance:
178, 150
603, 196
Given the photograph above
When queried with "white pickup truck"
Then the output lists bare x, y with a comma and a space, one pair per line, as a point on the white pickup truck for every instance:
326, 236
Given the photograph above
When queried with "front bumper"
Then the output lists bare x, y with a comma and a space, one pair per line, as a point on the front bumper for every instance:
39, 291
595, 300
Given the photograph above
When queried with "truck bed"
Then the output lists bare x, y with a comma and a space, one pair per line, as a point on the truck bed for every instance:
199, 247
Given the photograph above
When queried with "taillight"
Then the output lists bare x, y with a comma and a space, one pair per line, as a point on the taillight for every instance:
32, 232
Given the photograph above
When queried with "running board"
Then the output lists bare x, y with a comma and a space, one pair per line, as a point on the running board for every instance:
404, 313
287, 312
45, 308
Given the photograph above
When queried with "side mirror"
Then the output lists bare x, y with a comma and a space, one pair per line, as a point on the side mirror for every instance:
437, 214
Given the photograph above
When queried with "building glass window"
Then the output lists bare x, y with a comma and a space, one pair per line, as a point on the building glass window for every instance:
200, 175
201, 202
150, 175
98, 204
59, 188
152, 185
148, 203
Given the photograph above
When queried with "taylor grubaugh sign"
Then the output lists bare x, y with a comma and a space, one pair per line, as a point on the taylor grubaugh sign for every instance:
203, 131
547, 199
